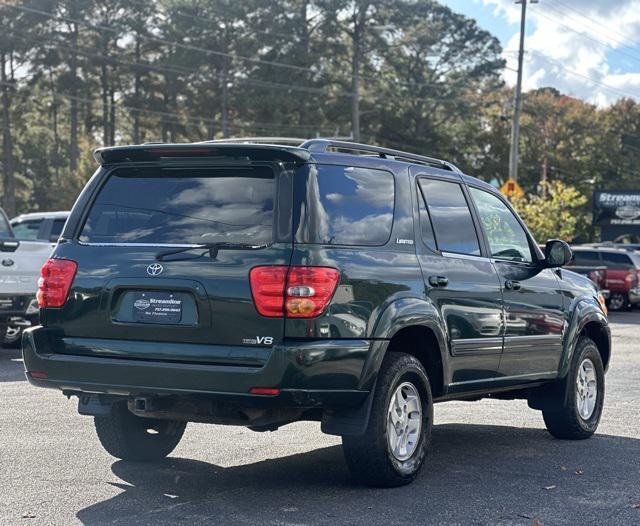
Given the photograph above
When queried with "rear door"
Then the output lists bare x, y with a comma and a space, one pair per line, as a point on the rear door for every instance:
533, 300
461, 282
123, 291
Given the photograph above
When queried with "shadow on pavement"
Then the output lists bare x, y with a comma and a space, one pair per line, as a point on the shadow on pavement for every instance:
11, 366
475, 474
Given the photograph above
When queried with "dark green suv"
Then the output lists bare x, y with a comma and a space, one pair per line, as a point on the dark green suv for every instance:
259, 285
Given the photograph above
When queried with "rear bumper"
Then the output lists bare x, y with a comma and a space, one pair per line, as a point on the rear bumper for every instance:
323, 373
17, 306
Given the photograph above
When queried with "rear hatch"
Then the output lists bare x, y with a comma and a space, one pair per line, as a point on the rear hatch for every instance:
145, 290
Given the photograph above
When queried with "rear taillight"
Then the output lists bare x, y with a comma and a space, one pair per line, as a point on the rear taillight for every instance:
297, 292
56, 279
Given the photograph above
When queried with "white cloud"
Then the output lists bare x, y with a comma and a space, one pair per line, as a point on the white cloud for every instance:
565, 50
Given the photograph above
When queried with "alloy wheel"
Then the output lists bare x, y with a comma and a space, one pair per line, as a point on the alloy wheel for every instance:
404, 421
587, 389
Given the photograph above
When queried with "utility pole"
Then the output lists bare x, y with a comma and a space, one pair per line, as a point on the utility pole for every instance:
515, 129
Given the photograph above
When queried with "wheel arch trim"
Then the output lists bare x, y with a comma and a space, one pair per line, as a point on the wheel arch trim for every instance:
401, 314
585, 314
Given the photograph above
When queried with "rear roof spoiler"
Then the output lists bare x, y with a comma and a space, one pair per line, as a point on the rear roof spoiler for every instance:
155, 152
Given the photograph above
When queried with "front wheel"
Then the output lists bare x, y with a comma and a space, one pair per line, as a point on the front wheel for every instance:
130, 437
574, 413
394, 445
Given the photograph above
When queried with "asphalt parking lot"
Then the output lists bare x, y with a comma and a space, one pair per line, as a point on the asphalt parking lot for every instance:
491, 462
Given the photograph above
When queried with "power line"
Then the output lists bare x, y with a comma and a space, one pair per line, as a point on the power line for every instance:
190, 47
589, 37
577, 74
178, 116
173, 68
241, 80
581, 15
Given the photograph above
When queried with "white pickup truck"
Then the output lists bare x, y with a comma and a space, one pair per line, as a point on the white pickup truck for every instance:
20, 264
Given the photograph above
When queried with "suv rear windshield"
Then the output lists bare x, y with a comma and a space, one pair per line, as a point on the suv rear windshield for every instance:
343, 205
183, 206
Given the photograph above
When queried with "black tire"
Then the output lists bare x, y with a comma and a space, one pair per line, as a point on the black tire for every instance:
561, 415
369, 456
130, 437
12, 337
619, 301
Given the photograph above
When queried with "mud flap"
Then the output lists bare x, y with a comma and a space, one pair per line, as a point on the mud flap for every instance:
348, 421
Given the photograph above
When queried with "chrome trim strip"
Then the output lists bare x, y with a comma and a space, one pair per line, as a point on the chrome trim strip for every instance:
535, 342
464, 256
470, 346
502, 379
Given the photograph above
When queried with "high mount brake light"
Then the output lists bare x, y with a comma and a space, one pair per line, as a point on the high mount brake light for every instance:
294, 292
55, 281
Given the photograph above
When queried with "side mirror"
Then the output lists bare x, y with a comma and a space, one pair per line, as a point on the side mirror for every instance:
9, 244
54, 238
557, 253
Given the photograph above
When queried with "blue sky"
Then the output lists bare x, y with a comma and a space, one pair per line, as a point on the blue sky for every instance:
586, 48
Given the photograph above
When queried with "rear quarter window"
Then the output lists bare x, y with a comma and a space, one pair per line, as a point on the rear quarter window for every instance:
343, 205
183, 206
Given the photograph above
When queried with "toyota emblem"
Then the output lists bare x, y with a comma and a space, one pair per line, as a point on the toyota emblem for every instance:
154, 269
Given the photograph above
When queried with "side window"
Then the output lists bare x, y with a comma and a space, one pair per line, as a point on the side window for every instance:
586, 259
451, 218
27, 230
620, 261
507, 239
343, 205
426, 228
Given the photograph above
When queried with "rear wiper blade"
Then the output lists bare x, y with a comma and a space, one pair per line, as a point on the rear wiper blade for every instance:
213, 249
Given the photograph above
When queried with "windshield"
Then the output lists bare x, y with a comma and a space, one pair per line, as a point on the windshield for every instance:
183, 206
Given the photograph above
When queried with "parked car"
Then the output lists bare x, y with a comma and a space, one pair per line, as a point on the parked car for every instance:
39, 226
631, 247
38, 233
597, 274
622, 274
19, 273
259, 285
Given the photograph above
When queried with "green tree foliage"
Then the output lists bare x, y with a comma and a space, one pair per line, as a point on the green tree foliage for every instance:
556, 213
78, 74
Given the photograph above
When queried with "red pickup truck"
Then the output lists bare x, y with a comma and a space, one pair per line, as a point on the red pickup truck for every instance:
622, 274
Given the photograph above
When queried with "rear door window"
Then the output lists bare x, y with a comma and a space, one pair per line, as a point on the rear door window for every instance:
586, 259
617, 261
343, 205
183, 206
451, 218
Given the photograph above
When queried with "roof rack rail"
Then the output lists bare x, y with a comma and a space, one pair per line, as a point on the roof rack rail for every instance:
289, 141
322, 145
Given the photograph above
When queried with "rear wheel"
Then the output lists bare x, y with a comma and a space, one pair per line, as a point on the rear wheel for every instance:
618, 301
575, 412
12, 337
130, 437
393, 448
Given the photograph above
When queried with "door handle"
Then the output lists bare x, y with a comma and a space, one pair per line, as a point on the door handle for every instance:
512, 285
438, 281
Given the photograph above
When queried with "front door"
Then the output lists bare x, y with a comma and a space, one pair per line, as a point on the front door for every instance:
533, 302
461, 282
